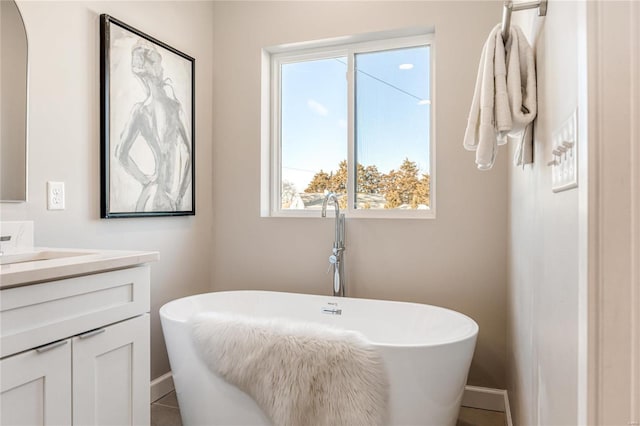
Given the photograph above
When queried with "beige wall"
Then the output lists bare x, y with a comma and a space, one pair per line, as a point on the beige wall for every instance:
65, 143
457, 261
544, 234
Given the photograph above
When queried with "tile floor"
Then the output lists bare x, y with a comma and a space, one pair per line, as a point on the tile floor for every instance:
165, 412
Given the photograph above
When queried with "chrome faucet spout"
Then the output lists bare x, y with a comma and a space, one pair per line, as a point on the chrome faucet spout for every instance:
334, 199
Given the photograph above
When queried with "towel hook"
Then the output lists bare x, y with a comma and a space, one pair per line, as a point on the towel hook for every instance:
509, 7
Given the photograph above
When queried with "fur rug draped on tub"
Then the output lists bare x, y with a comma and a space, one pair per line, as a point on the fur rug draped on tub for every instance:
300, 374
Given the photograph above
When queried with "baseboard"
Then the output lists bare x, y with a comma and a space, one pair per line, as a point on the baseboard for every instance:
487, 399
474, 396
161, 386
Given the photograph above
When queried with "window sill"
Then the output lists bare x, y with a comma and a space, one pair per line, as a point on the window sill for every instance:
356, 214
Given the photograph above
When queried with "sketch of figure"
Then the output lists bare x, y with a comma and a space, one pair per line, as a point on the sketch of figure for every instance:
158, 121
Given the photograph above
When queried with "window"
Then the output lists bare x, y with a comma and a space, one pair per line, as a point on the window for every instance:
352, 119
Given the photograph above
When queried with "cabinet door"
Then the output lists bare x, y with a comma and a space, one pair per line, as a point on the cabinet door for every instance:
35, 386
111, 374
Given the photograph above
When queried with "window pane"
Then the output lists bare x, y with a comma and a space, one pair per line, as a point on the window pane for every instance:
313, 131
393, 109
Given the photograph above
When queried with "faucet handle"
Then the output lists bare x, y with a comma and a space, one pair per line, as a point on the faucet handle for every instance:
332, 261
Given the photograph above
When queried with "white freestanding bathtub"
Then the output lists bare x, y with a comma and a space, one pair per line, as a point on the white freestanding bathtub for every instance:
427, 352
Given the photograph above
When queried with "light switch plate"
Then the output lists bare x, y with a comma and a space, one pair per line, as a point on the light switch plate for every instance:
564, 166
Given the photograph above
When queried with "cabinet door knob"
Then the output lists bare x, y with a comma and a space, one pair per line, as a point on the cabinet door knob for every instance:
91, 333
50, 346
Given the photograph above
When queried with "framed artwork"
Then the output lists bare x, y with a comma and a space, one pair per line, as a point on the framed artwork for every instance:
147, 123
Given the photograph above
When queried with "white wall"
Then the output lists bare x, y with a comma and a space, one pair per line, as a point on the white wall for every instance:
64, 142
457, 261
544, 234
612, 338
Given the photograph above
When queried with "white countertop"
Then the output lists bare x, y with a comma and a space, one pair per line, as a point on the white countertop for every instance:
77, 262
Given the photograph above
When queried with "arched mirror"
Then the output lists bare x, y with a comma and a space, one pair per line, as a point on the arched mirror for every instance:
13, 104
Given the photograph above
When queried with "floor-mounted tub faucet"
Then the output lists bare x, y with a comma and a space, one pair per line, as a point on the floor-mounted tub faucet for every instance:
336, 261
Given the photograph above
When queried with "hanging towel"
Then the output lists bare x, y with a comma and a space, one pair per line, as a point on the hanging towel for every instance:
490, 114
504, 102
521, 89
300, 374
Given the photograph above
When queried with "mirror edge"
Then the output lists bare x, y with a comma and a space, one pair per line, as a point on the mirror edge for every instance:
26, 132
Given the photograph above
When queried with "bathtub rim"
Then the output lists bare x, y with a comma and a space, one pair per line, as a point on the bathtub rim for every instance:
473, 334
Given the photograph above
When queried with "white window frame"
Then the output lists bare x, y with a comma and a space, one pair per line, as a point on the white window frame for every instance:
272, 60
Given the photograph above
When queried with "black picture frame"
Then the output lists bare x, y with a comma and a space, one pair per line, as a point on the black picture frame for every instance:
147, 125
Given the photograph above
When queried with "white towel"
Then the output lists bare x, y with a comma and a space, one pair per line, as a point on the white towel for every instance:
504, 101
489, 112
521, 88
300, 374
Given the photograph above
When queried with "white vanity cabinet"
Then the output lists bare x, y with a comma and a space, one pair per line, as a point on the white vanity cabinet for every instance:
75, 351
111, 375
35, 387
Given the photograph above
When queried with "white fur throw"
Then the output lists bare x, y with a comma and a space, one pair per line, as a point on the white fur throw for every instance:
300, 374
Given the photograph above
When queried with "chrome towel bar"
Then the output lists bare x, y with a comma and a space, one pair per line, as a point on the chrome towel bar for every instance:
510, 6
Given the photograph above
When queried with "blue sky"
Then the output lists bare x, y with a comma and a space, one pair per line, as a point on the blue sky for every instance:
392, 123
